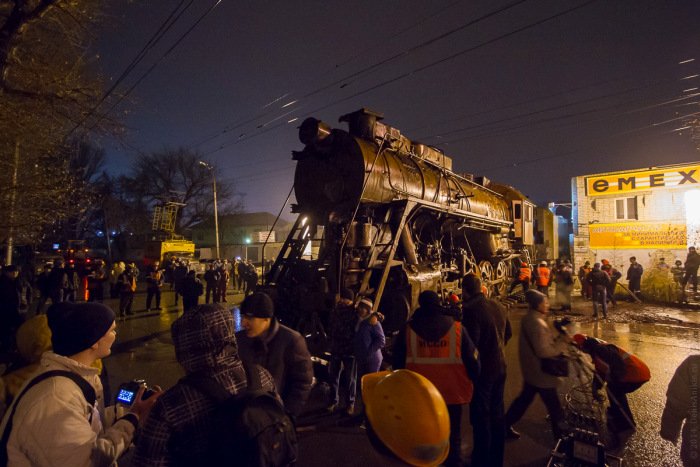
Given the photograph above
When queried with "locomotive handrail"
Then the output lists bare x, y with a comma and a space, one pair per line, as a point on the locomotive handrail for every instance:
357, 208
262, 252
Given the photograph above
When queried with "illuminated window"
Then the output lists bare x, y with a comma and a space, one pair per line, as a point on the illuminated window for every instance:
528, 213
626, 208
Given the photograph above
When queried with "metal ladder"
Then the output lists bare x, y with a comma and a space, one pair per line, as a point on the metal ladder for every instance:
405, 207
293, 247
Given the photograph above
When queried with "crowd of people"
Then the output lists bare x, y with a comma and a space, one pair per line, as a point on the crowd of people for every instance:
542, 277
62, 396
459, 346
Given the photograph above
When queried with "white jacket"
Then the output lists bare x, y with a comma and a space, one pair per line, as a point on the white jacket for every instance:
51, 425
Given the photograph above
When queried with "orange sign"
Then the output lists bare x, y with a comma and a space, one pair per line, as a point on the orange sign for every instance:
630, 182
638, 235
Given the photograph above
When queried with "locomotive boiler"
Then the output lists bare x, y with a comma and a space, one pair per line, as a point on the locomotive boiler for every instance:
388, 218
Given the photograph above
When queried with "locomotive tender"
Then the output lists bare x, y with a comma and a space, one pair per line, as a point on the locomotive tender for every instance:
388, 218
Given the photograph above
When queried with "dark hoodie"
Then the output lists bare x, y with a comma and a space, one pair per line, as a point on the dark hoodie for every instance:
430, 323
205, 343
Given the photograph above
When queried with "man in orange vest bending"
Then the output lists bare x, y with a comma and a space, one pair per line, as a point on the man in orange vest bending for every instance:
435, 345
524, 276
624, 373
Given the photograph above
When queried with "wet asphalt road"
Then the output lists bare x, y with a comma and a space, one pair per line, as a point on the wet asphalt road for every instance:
663, 339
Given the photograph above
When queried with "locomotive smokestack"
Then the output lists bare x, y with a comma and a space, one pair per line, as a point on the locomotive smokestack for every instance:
313, 131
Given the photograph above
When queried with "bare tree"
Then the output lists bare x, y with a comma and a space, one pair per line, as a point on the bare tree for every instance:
45, 92
177, 175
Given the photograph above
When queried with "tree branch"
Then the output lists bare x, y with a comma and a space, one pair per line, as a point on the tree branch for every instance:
15, 25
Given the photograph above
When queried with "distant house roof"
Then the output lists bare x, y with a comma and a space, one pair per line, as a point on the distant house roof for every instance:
242, 220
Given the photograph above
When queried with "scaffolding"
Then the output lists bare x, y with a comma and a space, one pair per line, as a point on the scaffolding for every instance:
165, 217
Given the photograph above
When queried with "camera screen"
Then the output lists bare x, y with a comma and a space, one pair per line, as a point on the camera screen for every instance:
125, 396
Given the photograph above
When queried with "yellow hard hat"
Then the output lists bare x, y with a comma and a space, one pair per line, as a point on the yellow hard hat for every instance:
408, 414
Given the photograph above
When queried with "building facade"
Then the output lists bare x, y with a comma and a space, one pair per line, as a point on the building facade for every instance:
652, 214
242, 235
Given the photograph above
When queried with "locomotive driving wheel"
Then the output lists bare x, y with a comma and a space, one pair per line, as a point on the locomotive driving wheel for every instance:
501, 277
486, 274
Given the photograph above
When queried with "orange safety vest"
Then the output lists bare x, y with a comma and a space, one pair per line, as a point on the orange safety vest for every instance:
525, 272
543, 276
441, 362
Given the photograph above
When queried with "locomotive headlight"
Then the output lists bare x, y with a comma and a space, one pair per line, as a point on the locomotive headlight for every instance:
313, 131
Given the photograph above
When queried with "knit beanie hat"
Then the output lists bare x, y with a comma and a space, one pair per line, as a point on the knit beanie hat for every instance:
77, 326
534, 298
258, 305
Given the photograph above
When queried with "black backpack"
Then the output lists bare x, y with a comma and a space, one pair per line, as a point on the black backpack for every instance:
248, 429
85, 387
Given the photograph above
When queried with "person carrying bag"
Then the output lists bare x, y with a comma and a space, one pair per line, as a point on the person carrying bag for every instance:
537, 345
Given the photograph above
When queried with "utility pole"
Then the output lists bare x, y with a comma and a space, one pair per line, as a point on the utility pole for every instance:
216, 211
216, 217
13, 202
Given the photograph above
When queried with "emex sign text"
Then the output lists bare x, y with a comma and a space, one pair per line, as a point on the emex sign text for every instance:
628, 182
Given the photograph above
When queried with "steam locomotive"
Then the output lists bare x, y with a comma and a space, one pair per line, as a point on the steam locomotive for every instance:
388, 218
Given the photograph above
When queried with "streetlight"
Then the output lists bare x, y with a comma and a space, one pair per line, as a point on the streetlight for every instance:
247, 242
216, 212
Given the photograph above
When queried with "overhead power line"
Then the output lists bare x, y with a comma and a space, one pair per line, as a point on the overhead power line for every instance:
360, 72
179, 40
418, 70
563, 106
168, 23
590, 147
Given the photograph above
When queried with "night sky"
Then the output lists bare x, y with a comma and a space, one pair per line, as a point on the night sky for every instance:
589, 90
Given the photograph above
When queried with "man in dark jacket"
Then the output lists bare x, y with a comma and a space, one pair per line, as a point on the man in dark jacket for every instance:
178, 430
10, 300
179, 275
489, 328
127, 290
634, 276
95, 282
615, 275
42, 283
191, 289
277, 348
57, 282
599, 280
341, 333
425, 346
154, 281
70, 293
250, 277
692, 263
211, 277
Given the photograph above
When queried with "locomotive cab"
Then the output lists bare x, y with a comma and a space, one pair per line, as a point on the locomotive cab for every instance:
523, 223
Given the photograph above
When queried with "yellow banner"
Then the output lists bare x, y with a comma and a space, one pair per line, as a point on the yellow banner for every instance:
638, 235
629, 182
